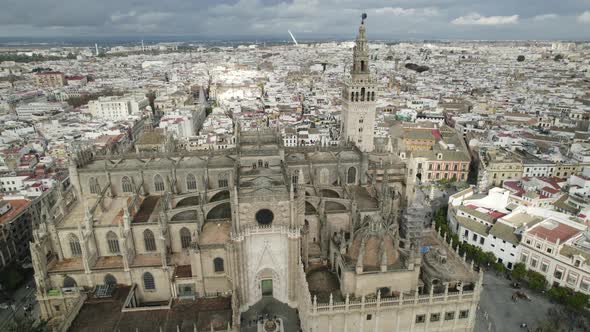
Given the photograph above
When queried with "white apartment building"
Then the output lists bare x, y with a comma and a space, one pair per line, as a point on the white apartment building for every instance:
28, 111
290, 137
579, 184
494, 222
559, 249
117, 108
487, 223
12, 183
180, 124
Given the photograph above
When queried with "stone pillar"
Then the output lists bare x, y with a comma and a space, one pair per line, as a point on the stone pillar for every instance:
54, 240
292, 269
233, 198
74, 176
364, 168
110, 183
243, 272
197, 268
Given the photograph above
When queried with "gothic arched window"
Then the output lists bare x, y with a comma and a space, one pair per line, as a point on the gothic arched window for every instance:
113, 242
75, 248
191, 182
222, 180
149, 240
362, 65
356, 96
93, 185
218, 264
351, 175
126, 185
362, 94
373, 96
295, 178
109, 279
158, 183
69, 282
352, 96
185, 237
148, 281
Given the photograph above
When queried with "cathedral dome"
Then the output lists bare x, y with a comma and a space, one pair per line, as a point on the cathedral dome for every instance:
375, 244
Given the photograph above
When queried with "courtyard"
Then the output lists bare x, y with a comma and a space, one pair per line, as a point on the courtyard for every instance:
504, 314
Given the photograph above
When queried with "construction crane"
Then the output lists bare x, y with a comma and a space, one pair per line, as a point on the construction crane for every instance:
293, 37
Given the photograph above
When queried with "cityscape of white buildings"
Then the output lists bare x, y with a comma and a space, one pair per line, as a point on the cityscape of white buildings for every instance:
517, 132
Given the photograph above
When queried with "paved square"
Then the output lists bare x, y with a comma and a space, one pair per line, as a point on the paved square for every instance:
506, 315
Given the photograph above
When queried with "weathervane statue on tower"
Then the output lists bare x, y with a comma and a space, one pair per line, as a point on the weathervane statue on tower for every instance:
363, 18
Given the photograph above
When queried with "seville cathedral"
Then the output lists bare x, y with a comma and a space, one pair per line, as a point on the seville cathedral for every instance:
194, 241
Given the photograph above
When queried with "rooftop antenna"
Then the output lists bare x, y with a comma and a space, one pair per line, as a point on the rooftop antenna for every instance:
96, 49
293, 37
142, 47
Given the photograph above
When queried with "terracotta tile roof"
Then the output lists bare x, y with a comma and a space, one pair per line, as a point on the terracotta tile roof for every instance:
553, 230
17, 206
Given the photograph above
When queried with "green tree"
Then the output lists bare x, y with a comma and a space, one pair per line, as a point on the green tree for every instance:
519, 271
11, 277
27, 323
574, 300
558, 294
499, 267
577, 301
536, 280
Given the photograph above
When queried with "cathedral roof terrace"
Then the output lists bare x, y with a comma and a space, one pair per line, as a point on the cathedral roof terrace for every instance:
440, 260
108, 314
215, 233
65, 265
146, 209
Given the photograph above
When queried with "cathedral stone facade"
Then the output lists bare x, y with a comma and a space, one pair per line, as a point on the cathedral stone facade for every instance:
260, 220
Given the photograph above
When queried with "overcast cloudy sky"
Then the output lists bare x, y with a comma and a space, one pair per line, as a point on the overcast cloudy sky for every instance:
387, 19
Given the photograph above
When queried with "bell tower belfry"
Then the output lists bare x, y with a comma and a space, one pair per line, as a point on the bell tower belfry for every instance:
358, 97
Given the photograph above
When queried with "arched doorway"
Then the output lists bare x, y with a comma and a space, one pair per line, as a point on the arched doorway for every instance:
351, 176
269, 284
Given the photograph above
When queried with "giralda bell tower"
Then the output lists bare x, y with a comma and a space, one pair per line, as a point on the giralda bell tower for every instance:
358, 97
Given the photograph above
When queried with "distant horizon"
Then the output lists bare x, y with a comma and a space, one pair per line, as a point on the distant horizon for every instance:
112, 40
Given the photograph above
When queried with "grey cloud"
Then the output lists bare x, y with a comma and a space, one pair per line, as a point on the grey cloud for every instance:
307, 18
